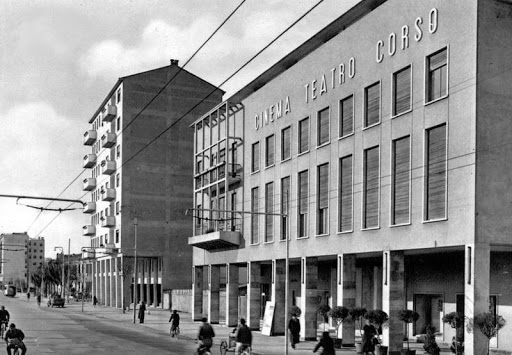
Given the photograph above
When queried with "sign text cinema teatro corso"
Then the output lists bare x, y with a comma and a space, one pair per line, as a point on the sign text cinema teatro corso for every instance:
338, 74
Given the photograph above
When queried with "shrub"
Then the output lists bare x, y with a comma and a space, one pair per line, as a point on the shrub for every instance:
489, 324
431, 346
378, 318
324, 310
456, 321
338, 314
408, 316
295, 311
357, 315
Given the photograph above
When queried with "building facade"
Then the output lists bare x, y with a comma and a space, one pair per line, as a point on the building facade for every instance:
140, 160
13, 265
373, 161
35, 257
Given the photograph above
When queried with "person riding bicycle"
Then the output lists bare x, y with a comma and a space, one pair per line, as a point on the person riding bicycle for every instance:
14, 337
175, 322
205, 336
243, 337
4, 316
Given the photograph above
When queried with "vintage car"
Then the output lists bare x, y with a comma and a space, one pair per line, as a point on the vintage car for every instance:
56, 301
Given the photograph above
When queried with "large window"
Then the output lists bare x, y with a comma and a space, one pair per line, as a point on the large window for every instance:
286, 135
255, 192
437, 75
323, 126
270, 150
346, 116
346, 195
255, 162
435, 174
303, 203
323, 199
402, 91
304, 135
372, 105
285, 198
371, 188
269, 208
401, 181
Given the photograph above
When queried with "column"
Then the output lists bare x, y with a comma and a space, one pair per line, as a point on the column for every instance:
197, 293
214, 293
377, 287
309, 294
476, 293
393, 299
155, 283
119, 284
278, 295
142, 283
105, 283
348, 296
94, 271
149, 299
101, 285
231, 295
253, 294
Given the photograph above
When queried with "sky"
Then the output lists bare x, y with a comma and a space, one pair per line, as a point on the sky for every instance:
60, 58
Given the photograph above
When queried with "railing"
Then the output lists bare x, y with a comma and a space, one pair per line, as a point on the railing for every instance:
217, 173
210, 226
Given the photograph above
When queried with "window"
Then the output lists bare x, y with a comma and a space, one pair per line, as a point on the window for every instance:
255, 165
118, 151
323, 199
437, 79
303, 204
346, 195
372, 105
371, 188
435, 175
254, 217
117, 207
270, 151
323, 127
118, 179
285, 193
118, 96
118, 125
346, 116
402, 91
269, 208
304, 135
401, 181
117, 235
286, 135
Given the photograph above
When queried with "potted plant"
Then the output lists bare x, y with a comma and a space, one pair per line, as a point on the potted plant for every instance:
489, 324
408, 316
431, 346
378, 318
456, 321
323, 310
357, 315
295, 311
338, 315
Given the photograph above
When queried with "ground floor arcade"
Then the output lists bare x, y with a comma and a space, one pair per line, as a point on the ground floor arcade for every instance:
471, 279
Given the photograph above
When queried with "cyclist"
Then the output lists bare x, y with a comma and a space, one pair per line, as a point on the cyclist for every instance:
243, 337
14, 337
175, 323
4, 319
205, 336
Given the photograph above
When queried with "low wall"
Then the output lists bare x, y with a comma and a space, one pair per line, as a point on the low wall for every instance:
181, 300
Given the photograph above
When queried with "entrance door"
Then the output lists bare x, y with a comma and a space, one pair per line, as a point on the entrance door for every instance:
430, 308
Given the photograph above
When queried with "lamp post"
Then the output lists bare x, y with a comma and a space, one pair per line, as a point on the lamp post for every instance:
62, 278
135, 271
84, 249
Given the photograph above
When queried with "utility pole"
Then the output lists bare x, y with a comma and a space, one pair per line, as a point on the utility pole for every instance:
62, 278
69, 264
135, 271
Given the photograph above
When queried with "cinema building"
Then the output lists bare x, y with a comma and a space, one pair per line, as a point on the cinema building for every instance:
381, 149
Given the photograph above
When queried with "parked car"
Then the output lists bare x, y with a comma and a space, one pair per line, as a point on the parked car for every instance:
56, 301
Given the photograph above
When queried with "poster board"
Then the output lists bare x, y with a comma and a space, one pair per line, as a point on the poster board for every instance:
266, 329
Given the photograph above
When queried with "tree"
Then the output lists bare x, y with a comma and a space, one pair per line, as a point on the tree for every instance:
407, 316
125, 267
378, 318
357, 315
489, 324
324, 310
338, 314
456, 321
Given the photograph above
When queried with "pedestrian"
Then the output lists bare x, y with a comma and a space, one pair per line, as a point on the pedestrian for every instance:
369, 333
205, 336
294, 328
28, 296
38, 298
142, 309
326, 344
94, 301
175, 323
243, 337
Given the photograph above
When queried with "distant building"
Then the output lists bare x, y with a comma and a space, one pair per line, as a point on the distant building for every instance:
140, 181
13, 259
35, 256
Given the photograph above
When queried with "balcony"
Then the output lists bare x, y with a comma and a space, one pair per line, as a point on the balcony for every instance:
90, 137
90, 207
89, 184
108, 140
110, 113
108, 194
89, 230
88, 254
109, 248
89, 160
215, 240
108, 167
108, 221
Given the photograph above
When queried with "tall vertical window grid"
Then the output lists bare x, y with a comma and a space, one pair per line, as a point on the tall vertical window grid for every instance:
323, 127
255, 157
323, 199
346, 195
402, 91
346, 116
303, 203
304, 135
254, 217
437, 75
371, 186
286, 135
401, 181
269, 209
270, 151
435, 174
372, 105
285, 192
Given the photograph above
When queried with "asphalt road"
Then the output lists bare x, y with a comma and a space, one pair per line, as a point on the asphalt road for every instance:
69, 331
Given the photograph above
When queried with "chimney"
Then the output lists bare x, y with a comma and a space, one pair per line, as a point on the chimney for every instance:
174, 61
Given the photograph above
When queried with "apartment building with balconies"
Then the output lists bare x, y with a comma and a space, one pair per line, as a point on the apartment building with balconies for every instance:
140, 160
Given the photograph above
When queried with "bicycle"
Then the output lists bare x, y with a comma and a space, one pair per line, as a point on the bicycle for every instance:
3, 326
175, 332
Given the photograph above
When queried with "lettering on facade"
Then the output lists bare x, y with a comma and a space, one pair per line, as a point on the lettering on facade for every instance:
274, 112
402, 39
337, 77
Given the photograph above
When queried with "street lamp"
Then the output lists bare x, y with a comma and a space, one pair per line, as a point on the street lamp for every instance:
84, 249
62, 278
133, 213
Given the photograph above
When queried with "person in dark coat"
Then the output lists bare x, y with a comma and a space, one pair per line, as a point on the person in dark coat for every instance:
243, 337
369, 338
94, 301
294, 328
326, 343
175, 322
142, 310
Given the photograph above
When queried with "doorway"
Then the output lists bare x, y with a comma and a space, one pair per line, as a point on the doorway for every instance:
430, 309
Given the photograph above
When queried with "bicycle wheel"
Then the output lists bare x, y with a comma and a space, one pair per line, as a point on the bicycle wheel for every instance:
16, 350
